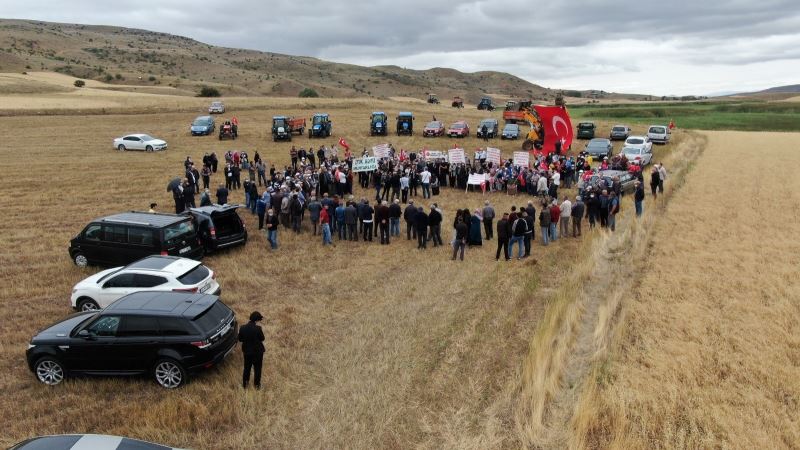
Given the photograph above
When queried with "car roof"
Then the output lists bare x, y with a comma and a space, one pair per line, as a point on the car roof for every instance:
435, 121
87, 442
143, 218
172, 264
460, 121
163, 303
211, 209
603, 140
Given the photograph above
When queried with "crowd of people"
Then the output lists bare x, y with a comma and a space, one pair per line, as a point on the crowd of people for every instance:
317, 188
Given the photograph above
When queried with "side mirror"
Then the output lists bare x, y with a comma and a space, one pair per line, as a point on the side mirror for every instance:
84, 334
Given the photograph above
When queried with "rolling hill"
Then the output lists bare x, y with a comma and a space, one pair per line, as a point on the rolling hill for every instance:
130, 56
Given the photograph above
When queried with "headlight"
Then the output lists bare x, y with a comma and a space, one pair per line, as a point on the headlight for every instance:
30, 346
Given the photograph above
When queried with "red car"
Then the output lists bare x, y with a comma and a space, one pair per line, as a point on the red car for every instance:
458, 129
433, 129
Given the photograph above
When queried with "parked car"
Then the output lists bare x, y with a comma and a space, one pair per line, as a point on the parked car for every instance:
510, 131
491, 128
586, 130
642, 142
216, 108
659, 134
86, 441
620, 132
433, 129
599, 148
139, 141
458, 129
154, 273
168, 335
637, 155
202, 125
123, 238
219, 226
607, 176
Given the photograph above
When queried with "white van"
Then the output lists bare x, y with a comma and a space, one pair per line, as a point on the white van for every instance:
658, 134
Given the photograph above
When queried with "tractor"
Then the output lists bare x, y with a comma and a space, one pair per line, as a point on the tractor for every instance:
320, 126
405, 123
458, 102
377, 125
486, 103
229, 129
280, 128
433, 99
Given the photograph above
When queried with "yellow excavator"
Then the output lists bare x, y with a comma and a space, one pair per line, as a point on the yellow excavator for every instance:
535, 136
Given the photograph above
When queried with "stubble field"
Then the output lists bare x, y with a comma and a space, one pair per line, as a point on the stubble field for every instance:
368, 346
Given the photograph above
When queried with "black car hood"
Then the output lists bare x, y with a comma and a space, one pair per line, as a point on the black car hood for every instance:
63, 327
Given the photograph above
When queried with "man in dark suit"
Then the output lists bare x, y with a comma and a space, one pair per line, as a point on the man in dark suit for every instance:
252, 338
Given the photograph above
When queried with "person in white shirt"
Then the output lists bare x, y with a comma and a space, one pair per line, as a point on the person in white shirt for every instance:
663, 176
566, 213
425, 179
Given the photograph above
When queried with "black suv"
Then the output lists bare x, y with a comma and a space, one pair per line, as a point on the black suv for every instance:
166, 334
123, 238
219, 226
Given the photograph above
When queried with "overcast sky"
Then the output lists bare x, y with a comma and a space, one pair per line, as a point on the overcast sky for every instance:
636, 46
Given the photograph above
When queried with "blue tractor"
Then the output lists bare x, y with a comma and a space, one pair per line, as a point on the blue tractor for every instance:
377, 125
405, 123
320, 126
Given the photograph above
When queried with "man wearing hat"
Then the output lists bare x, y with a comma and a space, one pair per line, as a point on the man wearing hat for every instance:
252, 338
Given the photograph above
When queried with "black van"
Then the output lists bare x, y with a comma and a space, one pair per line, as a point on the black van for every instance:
219, 226
123, 238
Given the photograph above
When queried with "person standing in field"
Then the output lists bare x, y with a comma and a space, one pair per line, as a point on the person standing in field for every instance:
555, 214
613, 209
488, 218
529, 223
351, 221
325, 222
662, 172
395, 212
382, 217
566, 214
502, 238
421, 225
577, 215
518, 229
272, 228
408, 215
435, 225
314, 208
655, 181
544, 223
460, 241
638, 198
206, 174
252, 338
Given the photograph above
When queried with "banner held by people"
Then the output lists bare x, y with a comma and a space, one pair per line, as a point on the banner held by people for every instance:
381, 151
365, 164
456, 156
522, 159
493, 155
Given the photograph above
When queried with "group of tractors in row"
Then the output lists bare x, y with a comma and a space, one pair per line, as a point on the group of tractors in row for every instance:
458, 102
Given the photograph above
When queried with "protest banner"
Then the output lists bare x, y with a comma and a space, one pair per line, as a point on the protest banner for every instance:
365, 164
434, 155
381, 151
477, 179
456, 156
493, 155
522, 159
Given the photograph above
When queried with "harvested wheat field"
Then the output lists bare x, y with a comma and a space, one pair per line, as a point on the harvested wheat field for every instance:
705, 352
368, 346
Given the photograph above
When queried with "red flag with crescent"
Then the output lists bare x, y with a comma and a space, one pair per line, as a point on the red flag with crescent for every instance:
343, 143
557, 128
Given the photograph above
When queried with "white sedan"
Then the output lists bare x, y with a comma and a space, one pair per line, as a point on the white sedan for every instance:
139, 142
637, 155
154, 273
642, 142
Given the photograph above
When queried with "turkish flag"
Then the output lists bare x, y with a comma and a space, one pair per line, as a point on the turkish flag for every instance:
557, 127
343, 143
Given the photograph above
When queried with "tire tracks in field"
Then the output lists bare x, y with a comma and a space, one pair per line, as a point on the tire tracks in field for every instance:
562, 362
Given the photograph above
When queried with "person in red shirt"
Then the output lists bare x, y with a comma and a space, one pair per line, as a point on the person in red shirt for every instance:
555, 214
325, 221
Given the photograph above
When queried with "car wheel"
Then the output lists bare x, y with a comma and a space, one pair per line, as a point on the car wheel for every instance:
49, 371
169, 374
87, 304
80, 260
121, 147
149, 148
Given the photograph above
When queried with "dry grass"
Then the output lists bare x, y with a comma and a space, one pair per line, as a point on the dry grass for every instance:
368, 346
707, 350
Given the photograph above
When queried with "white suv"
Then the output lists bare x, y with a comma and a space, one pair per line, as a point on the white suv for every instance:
154, 273
658, 134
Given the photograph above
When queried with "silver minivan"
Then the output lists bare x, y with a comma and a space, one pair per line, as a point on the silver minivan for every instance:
658, 134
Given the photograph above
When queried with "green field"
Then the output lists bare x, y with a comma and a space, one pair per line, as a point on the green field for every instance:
745, 116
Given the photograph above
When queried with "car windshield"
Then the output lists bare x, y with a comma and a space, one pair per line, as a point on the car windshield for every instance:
619, 129
458, 125
635, 141
318, 119
200, 122
178, 232
598, 145
585, 126
378, 118
216, 104
434, 125
279, 122
511, 127
194, 276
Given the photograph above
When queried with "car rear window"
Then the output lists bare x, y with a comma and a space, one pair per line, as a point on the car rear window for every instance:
49, 443
194, 276
210, 319
178, 232
658, 130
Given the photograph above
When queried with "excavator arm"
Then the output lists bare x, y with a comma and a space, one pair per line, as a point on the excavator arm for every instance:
535, 134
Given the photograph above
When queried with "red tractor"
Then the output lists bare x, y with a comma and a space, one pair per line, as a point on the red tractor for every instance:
229, 129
